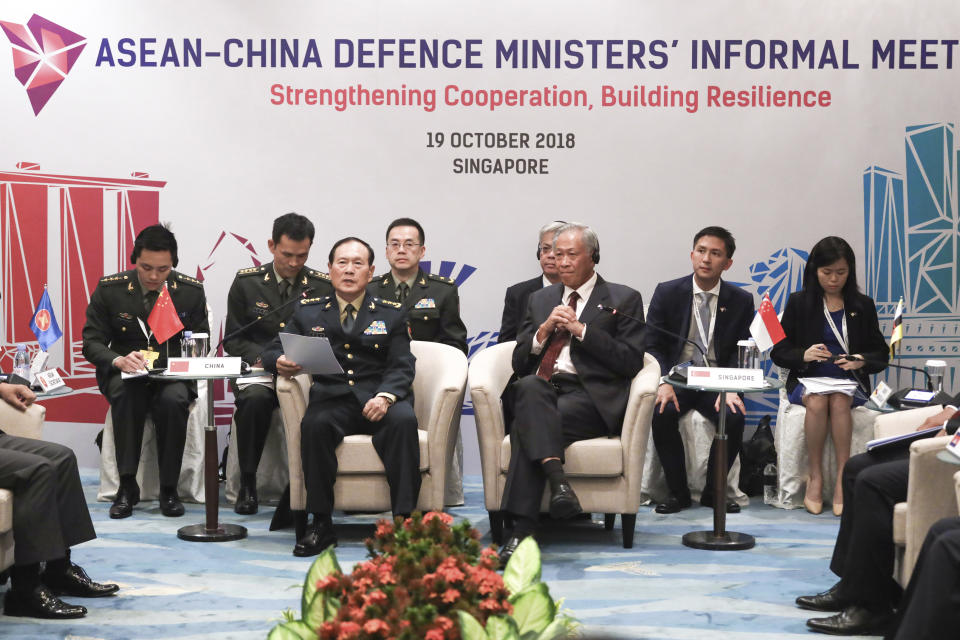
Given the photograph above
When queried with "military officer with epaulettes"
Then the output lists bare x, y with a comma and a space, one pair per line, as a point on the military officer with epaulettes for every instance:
117, 338
431, 301
369, 337
259, 305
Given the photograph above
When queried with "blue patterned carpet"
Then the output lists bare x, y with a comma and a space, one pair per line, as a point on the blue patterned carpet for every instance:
657, 590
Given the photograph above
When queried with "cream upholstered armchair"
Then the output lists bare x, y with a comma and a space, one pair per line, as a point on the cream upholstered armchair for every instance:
438, 388
606, 473
24, 424
930, 489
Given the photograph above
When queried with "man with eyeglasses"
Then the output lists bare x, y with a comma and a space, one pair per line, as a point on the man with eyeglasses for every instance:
515, 300
430, 301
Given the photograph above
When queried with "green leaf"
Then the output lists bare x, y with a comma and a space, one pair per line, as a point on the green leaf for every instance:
324, 565
470, 627
322, 608
296, 630
523, 569
559, 628
536, 586
533, 610
502, 628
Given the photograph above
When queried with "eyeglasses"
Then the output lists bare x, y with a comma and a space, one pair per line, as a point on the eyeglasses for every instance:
409, 245
546, 248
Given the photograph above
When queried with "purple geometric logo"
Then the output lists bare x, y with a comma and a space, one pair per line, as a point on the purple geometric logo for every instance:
43, 55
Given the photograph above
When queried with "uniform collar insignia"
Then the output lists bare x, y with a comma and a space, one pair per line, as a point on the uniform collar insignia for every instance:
372, 307
266, 277
304, 281
386, 281
130, 287
423, 281
174, 285
329, 304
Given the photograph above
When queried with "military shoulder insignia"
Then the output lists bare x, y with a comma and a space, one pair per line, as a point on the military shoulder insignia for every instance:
317, 300
249, 271
426, 303
376, 328
115, 278
319, 275
188, 280
442, 279
388, 303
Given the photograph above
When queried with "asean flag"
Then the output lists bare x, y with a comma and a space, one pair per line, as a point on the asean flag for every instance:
44, 322
765, 328
163, 319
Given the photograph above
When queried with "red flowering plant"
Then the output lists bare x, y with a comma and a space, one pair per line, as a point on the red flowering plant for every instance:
426, 580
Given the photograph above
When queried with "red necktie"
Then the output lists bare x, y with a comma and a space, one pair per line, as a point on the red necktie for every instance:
556, 342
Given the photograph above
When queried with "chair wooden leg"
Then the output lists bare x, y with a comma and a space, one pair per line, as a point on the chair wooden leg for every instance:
629, 522
496, 526
608, 521
300, 523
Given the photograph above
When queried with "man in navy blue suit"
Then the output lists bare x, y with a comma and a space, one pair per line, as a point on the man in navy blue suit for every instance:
574, 364
714, 315
515, 300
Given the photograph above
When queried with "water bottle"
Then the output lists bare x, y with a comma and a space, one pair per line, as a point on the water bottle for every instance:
770, 483
21, 362
187, 345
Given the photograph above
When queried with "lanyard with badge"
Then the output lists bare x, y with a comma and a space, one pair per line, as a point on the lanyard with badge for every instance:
149, 354
841, 335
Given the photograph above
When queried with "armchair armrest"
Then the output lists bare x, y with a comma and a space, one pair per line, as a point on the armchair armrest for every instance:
24, 424
931, 495
490, 370
900, 422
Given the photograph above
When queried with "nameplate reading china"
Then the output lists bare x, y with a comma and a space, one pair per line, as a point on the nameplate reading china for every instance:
724, 378
203, 366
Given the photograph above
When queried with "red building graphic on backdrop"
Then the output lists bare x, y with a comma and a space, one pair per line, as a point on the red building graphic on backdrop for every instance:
93, 222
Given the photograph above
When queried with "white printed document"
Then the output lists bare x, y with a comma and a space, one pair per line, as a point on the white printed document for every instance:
313, 353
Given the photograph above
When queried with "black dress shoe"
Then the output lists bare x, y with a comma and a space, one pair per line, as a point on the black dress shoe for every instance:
672, 505
316, 540
75, 582
563, 502
40, 603
506, 551
854, 621
170, 504
123, 504
825, 601
247, 503
706, 500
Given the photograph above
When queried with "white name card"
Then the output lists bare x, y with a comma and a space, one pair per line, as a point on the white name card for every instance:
725, 378
203, 366
881, 393
49, 380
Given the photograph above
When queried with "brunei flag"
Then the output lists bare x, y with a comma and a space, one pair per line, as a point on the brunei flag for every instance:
44, 322
897, 334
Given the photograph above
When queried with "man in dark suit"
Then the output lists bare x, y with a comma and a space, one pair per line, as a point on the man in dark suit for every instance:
930, 606
515, 300
266, 296
369, 337
431, 302
49, 516
574, 365
714, 315
117, 339
863, 556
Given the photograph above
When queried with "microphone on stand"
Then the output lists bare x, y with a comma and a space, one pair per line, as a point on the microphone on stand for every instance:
236, 332
899, 400
678, 372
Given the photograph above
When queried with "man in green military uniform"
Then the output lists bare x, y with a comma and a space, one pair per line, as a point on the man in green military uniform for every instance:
117, 339
372, 395
431, 302
259, 305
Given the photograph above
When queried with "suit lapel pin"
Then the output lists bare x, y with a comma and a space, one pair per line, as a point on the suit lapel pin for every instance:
722, 309
853, 313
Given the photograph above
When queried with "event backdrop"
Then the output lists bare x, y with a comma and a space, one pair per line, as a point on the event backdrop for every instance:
784, 122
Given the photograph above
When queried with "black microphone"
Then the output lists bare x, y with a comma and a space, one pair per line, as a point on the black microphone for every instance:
616, 312
236, 332
898, 398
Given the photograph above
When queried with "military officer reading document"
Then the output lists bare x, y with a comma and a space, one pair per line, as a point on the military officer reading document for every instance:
117, 339
262, 299
369, 338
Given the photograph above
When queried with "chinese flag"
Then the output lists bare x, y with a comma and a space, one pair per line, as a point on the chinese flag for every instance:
163, 319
